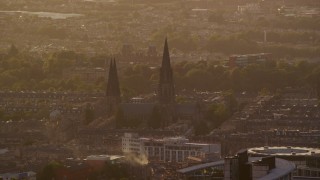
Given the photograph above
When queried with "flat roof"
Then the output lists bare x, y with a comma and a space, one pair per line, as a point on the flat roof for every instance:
103, 157
284, 151
282, 168
199, 144
201, 166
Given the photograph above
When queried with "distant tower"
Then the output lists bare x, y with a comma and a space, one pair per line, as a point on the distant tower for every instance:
166, 94
113, 90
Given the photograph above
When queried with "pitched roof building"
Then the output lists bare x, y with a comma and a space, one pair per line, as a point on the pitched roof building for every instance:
113, 89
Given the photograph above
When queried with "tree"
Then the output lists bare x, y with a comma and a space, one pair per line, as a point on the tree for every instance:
127, 94
198, 79
216, 114
47, 173
236, 79
57, 62
230, 101
137, 83
113, 170
44, 112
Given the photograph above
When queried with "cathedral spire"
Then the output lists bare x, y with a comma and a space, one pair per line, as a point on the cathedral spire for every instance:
109, 83
113, 90
166, 93
116, 79
166, 56
113, 81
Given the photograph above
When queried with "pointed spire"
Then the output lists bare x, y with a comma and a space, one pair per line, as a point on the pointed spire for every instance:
166, 56
114, 64
166, 92
113, 88
116, 79
109, 83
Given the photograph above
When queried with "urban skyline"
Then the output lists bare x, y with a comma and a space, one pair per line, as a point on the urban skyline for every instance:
180, 89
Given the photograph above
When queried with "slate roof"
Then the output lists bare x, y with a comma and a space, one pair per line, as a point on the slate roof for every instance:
137, 108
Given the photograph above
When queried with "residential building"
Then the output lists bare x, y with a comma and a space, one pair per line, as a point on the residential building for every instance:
246, 59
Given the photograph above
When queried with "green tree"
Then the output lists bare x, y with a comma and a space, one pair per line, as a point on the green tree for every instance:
198, 78
113, 170
216, 114
231, 102
47, 173
127, 94
44, 112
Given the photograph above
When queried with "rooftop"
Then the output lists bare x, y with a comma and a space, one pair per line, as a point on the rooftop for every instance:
103, 157
282, 167
201, 166
284, 151
3, 151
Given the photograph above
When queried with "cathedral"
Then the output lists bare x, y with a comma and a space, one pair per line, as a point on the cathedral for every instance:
165, 105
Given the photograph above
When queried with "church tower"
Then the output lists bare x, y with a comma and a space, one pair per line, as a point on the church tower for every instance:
113, 90
166, 94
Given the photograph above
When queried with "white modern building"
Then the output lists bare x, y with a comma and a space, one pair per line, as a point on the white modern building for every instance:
131, 143
173, 149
